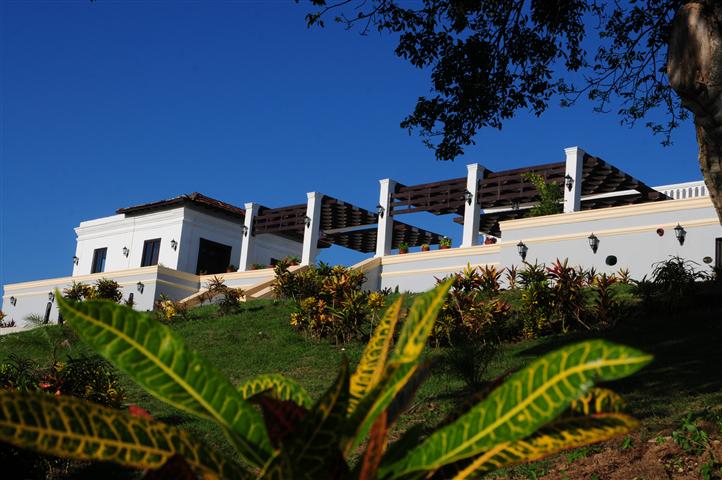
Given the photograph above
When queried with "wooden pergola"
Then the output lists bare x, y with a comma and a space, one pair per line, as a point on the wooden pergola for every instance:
341, 223
506, 195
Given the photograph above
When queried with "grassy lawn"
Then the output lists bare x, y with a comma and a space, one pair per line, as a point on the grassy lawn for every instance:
685, 376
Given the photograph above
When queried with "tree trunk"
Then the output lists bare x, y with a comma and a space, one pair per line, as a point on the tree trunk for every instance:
694, 67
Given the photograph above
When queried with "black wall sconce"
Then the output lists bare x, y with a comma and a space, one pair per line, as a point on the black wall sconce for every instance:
125, 251
174, 244
51, 297
593, 242
244, 229
468, 196
680, 233
307, 221
569, 182
13, 301
140, 287
515, 205
75, 259
380, 210
522, 249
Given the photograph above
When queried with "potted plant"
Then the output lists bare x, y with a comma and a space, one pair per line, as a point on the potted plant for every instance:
403, 247
445, 243
258, 266
231, 268
425, 247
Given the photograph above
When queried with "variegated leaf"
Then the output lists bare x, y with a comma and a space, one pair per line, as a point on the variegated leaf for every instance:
561, 435
69, 427
279, 387
527, 400
159, 361
597, 400
375, 449
373, 360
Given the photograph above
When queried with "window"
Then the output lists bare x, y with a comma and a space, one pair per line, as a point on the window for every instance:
151, 249
98, 265
213, 257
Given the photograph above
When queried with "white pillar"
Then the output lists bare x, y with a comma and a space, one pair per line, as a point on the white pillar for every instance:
385, 231
472, 211
312, 229
248, 241
574, 164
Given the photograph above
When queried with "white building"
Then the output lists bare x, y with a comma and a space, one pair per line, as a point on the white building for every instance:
610, 220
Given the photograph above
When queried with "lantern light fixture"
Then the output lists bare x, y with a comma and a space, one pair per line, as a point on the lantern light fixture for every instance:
125, 251
593, 242
51, 297
75, 259
140, 287
680, 233
569, 182
174, 244
522, 249
515, 205
13, 301
380, 210
244, 229
468, 196
307, 221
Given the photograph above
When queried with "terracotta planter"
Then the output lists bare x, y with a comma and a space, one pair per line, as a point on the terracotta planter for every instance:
425, 249
402, 251
444, 247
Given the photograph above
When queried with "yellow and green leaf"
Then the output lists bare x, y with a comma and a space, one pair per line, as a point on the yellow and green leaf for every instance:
556, 437
597, 400
69, 427
529, 399
371, 367
278, 387
159, 361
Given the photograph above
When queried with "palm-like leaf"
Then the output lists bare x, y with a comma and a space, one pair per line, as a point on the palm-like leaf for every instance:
278, 387
526, 401
74, 428
558, 436
159, 361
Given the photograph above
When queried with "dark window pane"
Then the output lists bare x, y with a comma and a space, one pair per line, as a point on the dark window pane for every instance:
98, 265
151, 251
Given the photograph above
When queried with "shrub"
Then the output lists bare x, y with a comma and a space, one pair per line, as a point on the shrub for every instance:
296, 437
106, 289
330, 301
550, 195
536, 301
567, 295
674, 280
78, 291
606, 306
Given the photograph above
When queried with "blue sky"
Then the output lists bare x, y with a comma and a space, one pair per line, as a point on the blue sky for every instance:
111, 104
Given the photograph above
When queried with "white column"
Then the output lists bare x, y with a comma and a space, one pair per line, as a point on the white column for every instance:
472, 211
312, 229
385, 231
247, 243
575, 162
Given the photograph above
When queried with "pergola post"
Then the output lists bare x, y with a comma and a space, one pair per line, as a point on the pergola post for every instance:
385, 232
574, 164
312, 228
248, 241
472, 208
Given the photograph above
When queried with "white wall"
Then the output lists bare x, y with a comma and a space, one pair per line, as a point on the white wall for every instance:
270, 246
197, 225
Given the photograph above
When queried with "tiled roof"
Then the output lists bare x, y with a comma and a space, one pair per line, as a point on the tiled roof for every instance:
194, 198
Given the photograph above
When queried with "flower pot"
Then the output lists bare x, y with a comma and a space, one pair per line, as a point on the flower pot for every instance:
444, 247
403, 250
425, 248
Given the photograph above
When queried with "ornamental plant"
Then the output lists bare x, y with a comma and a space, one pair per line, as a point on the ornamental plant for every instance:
279, 432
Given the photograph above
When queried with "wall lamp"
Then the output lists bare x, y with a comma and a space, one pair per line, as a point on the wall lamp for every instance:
140, 287
244, 229
593, 242
515, 205
126, 251
680, 233
380, 210
174, 244
51, 297
522, 249
569, 182
468, 196
13, 301
307, 221
75, 259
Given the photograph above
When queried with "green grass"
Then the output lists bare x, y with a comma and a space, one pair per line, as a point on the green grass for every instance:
685, 376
